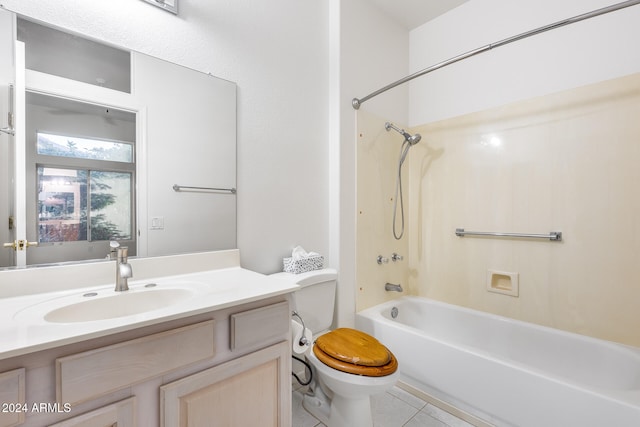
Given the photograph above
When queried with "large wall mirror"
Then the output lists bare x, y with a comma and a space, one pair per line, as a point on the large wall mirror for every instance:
103, 144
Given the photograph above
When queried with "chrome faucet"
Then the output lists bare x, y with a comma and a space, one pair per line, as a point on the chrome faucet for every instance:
391, 287
123, 270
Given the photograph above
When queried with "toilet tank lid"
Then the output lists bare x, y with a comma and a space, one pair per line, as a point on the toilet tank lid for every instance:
310, 277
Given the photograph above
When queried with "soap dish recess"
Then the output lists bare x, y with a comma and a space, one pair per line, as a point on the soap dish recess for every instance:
503, 282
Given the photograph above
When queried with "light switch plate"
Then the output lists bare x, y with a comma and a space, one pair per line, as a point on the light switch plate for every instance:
157, 223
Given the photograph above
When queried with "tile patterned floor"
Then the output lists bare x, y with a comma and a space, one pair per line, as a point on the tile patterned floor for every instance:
396, 408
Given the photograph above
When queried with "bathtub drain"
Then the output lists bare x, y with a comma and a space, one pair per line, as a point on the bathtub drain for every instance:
394, 312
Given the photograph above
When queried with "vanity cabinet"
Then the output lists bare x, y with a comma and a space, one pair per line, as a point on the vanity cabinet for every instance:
227, 367
12, 397
246, 391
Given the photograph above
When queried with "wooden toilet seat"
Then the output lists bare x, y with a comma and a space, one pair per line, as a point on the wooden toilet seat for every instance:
355, 352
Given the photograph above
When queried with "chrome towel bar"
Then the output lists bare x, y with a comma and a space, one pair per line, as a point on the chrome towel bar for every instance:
555, 236
177, 187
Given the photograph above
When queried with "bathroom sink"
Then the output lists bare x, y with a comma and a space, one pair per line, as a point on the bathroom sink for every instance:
105, 303
118, 305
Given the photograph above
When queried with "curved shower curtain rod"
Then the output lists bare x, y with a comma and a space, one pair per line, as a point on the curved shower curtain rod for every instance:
357, 102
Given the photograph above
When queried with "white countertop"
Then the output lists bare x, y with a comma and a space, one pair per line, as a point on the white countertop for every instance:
23, 328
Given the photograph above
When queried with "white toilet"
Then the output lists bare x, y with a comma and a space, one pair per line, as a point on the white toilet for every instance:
337, 397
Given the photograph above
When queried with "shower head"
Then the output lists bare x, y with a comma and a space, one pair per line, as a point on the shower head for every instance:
411, 139
414, 139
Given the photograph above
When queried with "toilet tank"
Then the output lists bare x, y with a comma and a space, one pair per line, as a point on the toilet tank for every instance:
314, 301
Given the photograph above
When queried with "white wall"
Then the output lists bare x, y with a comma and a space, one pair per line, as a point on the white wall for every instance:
296, 152
277, 52
586, 52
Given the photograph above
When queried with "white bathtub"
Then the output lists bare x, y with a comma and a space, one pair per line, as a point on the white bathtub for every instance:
507, 372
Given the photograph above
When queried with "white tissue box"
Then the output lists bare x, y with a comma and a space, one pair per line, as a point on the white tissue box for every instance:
302, 265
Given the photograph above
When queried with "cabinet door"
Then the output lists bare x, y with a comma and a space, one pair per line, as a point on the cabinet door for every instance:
12, 398
119, 414
252, 390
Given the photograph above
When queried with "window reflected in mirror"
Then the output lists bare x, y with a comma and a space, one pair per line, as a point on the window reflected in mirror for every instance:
67, 212
83, 148
62, 205
81, 161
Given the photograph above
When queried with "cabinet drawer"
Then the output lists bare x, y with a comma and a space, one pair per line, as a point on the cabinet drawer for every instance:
119, 414
12, 398
259, 327
84, 376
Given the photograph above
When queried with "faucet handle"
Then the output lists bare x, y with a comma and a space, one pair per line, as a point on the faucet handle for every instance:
395, 257
113, 248
382, 260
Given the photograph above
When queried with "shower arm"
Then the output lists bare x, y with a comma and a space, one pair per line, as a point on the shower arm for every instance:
357, 102
389, 125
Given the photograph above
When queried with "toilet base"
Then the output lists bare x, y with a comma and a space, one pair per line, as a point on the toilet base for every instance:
317, 403
340, 411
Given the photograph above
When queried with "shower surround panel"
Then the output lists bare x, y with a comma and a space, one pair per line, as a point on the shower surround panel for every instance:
564, 162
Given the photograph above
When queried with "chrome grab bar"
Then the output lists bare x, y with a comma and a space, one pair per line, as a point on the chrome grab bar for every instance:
555, 236
177, 187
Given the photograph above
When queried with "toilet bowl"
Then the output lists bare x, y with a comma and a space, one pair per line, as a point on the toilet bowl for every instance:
339, 398
339, 395
350, 385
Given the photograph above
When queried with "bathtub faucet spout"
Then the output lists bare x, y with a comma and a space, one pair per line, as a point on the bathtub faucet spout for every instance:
392, 287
